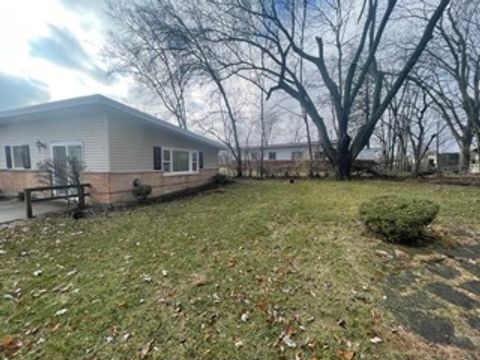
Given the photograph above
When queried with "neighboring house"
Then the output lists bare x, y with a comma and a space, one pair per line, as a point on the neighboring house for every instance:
300, 151
116, 143
282, 152
449, 162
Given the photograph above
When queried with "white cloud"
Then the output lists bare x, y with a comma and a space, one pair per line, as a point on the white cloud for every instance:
26, 22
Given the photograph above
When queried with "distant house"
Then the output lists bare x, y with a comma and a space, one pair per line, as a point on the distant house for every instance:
116, 143
300, 151
449, 162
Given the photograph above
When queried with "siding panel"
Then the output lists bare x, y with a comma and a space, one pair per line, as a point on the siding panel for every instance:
90, 131
132, 142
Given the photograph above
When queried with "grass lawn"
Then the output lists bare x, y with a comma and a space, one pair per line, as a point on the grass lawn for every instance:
258, 270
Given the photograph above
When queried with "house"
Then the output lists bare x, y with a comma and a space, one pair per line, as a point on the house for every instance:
116, 143
442, 162
300, 151
449, 162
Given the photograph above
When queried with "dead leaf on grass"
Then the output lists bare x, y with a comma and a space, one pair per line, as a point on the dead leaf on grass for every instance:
10, 345
238, 342
232, 261
145, 350
199, 279
346, 355
61, 312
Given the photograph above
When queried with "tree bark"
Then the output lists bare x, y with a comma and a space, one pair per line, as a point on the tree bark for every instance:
343, 160
465, 156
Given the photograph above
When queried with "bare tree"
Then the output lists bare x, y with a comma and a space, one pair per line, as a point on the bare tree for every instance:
453, 68
271, 27
419, 127
176, 30
137, 52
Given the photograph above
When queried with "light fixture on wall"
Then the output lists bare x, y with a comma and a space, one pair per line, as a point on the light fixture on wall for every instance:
41, 146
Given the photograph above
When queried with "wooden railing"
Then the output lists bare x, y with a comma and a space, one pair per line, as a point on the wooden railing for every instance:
81, 194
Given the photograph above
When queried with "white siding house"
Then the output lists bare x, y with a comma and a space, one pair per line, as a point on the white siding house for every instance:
116, 143
300, 151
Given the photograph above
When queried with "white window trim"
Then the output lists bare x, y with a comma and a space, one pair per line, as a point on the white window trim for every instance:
66, 144
175, 173
16, 168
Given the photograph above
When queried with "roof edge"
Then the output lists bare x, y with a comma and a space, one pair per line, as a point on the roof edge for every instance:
98, 99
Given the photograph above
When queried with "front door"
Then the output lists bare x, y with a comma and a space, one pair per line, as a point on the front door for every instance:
62, 156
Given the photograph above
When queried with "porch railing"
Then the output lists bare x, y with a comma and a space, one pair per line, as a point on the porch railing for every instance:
81, 194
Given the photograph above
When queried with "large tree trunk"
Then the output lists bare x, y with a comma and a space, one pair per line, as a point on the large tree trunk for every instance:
465, 148
343, 160
464, 160
309, 142
239, 166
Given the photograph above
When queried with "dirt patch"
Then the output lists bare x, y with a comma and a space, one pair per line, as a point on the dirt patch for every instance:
455, 297
434, 296
443, 270
474, 323
472, 286
435, 329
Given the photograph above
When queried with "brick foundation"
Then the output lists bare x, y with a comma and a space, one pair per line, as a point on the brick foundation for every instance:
14, 181
108, 188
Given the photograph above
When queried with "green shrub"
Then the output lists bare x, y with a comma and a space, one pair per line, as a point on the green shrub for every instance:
398, 219
141, 192
221, 179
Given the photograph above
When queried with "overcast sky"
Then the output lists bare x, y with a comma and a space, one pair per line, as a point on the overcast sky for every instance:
52, 50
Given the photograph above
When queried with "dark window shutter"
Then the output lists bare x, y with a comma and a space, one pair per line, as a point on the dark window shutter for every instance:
157, 158
200, 159
8, 156
26, 157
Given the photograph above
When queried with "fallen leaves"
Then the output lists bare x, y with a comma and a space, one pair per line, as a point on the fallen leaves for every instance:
346, 354
199, 279
145, 350
61, 312
238, 342
287, 340
376, 340
10, 345
37, 273
232, 261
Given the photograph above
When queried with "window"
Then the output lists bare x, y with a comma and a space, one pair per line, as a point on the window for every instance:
254, 156
18, 157
8, 155
166, 160
157, 158
297, 155
194, 161
272, 155
181, 161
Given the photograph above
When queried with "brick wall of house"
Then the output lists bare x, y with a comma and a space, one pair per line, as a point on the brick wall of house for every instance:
14, 181
110, 188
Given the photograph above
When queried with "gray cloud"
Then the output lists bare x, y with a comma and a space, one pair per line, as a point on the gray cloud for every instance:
16, 91
62, 48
